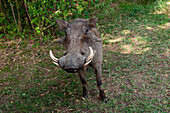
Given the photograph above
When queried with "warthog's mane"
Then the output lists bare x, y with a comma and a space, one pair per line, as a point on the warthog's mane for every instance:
79, 20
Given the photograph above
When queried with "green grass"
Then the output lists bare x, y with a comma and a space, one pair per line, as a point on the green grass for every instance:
135, 68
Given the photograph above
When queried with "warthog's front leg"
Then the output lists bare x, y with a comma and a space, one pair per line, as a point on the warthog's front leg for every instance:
98, 73
83, 81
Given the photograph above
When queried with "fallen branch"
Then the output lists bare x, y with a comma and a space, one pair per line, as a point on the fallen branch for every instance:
48, 26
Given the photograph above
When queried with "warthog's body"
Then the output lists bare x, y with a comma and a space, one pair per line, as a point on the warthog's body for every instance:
84, 46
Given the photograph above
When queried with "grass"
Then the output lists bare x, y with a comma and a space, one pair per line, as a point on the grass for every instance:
135, 68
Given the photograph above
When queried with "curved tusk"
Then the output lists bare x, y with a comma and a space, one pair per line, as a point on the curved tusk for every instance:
87, 63
90, 57
53, 58
56, 63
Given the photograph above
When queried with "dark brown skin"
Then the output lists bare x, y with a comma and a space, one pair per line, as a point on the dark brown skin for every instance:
81, 34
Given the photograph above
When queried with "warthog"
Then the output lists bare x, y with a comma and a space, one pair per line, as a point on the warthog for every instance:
84, 47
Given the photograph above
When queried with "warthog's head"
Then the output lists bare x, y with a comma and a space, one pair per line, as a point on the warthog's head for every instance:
78, 40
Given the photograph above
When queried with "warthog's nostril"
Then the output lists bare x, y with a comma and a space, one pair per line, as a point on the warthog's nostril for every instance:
71, 70
65, 52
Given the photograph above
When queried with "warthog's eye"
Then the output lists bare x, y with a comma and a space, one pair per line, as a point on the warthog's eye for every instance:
86, 30
67, 31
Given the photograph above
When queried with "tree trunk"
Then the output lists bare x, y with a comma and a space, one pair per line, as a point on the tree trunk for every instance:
29, 18
19, 18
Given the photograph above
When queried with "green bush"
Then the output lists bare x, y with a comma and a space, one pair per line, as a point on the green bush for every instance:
37, 17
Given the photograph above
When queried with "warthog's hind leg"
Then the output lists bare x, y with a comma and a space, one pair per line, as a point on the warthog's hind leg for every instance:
98, 73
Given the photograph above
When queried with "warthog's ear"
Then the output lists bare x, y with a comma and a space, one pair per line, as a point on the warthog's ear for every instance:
92, 22
63, 24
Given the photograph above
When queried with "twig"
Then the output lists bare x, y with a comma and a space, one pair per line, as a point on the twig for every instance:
48, 26
13, 14
66, 109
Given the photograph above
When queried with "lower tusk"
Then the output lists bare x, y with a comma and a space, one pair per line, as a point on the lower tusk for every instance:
56, 63
52, 57
87, 63
90, 57
55, 60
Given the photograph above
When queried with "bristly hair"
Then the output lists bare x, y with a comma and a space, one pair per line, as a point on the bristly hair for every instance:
80, 20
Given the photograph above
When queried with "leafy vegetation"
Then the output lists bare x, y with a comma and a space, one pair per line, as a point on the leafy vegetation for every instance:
135, 65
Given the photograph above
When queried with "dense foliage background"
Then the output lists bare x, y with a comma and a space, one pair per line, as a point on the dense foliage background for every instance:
38, 16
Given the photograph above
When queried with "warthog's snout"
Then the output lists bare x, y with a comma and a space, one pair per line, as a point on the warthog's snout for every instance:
72, 62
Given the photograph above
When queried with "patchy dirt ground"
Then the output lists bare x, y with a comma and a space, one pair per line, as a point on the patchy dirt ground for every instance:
128, 78
136, 78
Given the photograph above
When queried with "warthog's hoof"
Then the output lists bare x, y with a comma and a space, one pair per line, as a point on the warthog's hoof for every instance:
106, 100
103, 96
84, 96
